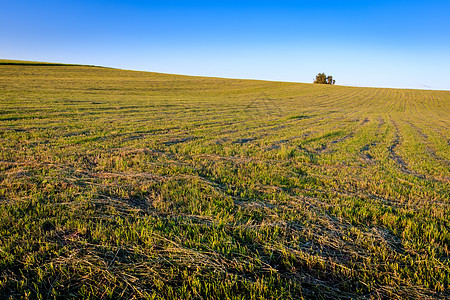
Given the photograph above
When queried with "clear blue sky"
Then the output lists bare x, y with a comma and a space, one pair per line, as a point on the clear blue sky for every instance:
362, 43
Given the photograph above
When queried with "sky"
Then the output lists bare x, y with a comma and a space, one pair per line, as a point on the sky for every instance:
401, 44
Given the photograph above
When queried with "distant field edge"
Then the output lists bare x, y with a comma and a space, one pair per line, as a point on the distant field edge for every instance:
6, 62
10, 62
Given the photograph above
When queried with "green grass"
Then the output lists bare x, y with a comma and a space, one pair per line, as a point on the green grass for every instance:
122, 184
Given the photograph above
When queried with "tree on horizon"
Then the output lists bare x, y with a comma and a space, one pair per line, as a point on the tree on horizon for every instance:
321, 78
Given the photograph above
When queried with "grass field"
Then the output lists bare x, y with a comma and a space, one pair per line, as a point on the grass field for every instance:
123, 184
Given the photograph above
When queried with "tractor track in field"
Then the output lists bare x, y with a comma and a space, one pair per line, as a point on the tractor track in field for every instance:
403, 166
381, 122
325, 148
366, 120
430, 150
433, 154
366, 157
398, 159
423, 135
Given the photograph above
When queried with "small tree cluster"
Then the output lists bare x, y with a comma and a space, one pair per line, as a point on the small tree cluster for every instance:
321, 78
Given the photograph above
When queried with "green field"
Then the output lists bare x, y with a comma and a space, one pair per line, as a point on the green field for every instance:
123, 184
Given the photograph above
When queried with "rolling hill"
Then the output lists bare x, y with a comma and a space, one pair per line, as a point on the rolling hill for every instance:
126, 184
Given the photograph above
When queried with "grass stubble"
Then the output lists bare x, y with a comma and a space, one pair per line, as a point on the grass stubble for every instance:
123, 184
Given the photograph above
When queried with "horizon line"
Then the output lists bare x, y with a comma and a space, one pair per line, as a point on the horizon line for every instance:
42, 63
